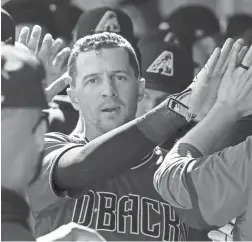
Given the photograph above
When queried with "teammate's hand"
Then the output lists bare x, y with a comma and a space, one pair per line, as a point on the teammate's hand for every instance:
72, 232
57, 86
205, 85
235, 90
224, 233
51, 52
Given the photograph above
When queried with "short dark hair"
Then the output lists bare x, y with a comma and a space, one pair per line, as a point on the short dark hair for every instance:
98, 41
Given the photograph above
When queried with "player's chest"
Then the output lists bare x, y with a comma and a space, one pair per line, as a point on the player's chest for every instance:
128, 205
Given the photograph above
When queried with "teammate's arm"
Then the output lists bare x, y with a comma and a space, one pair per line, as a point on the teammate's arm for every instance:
212, 190
83, 166
80, 168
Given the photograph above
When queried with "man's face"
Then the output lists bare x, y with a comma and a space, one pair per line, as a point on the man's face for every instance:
107, 90
151, 99
23, 132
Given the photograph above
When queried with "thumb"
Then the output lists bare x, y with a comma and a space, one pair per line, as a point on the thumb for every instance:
218, 236
57, 86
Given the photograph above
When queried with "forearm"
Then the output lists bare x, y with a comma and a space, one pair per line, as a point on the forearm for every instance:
208, 191
214, 131
117, 150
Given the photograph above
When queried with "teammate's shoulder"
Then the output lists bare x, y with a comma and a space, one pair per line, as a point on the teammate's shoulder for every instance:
63, 138
55, 136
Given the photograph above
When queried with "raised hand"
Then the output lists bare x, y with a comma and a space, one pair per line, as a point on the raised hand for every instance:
235, 90
51, 52
53, 57
205, 85
57, 86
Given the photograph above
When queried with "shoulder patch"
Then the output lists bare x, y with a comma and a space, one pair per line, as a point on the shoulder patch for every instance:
163, 64
109, 22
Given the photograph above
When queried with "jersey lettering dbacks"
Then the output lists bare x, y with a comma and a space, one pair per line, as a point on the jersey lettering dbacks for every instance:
125, 207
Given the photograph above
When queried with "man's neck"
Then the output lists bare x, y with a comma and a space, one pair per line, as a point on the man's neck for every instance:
92, 132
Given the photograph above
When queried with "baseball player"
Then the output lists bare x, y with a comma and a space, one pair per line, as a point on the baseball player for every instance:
101, 178
21, 121
167, 69
198, 30
109, 179
23, 99
103, 19
210, 189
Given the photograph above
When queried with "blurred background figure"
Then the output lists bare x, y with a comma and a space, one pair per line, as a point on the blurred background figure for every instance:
23, 127
56, 17
7, 28
198, 30
239, 26
106, 19
167, 68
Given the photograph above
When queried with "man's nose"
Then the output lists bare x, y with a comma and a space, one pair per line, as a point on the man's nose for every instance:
108, 87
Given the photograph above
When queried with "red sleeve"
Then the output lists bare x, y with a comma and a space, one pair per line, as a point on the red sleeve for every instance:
208, 191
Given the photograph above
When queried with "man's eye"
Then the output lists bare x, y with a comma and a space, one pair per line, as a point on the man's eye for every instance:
93, 80
120, 78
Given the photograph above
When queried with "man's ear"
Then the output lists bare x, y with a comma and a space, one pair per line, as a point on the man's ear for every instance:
141, 88
74, 100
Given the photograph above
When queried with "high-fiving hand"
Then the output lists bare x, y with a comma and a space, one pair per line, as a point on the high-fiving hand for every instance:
205, 85
235, 88
53, 56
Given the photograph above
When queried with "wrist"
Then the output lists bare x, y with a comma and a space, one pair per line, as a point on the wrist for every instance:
226, 110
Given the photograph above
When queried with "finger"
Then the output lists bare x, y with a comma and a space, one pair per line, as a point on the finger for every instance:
34, 39
56, 47
227, 229
225, 51
211, 63
57, 86
234, 55
46, 47
23, 36
247, 60
218, 236
248, 73
61, 58
242, 54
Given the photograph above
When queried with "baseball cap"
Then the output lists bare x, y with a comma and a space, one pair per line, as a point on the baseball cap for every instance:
7, 28
238, 24
166, 66
58, 17
106, 19
22, 77
192, 22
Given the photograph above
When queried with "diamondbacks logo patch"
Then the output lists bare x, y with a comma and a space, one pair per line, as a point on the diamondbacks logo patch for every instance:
109, 22
163, 64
